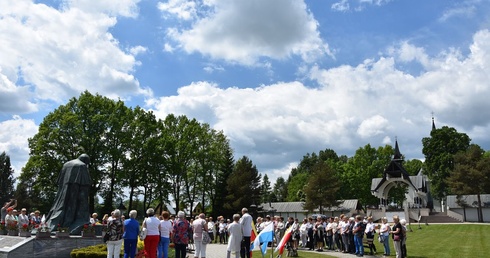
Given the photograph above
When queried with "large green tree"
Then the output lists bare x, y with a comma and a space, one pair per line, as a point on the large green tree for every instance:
144, 171
225, 170
265, 195
7, 179
358, 172
81, 126
471, 174
243, 186
180, 139
280, 190
299, 175
321, 188
439, 150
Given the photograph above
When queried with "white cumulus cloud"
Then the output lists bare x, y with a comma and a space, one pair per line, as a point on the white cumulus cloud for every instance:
246, 31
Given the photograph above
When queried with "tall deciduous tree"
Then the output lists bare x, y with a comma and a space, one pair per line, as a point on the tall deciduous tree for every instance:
144, 165
439, 150
180, 139
358, 172
220, 166
321, 189
471, 174
80, 126
7, 179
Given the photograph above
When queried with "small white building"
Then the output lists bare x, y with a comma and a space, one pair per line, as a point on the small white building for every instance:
468, 213
296, 210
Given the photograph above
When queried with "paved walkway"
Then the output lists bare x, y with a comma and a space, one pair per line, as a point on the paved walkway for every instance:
219, 251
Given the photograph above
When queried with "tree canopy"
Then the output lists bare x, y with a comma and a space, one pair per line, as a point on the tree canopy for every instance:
439, 150
471, 174
7, 179
128, 148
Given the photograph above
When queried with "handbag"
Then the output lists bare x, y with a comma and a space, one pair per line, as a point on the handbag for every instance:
396, 238
205, 236
107, 236
381, 238
143, 232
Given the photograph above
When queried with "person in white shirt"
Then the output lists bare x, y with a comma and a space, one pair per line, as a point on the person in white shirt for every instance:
23, 218
236, 236
370, 231
200, 227
211, 229
94, 219
303, 233
246, 222
165, 234
384, 233
152, 225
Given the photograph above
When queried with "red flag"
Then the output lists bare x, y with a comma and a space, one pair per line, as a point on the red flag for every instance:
253, 235
284, 240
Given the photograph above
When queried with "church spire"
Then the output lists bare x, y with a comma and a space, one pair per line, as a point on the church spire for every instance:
398, 155
433, 123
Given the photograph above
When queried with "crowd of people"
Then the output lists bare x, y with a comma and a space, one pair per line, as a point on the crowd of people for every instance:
12, 218
340, 234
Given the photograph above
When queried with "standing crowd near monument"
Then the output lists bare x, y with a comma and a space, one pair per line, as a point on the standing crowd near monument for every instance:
191, 235
336, 234
70, 211
13, 219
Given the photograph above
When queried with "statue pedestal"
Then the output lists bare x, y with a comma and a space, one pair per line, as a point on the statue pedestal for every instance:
88, 234
43, 234
62, 234
25, 233
13, 233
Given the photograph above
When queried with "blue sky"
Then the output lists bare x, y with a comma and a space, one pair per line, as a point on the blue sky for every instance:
281, 78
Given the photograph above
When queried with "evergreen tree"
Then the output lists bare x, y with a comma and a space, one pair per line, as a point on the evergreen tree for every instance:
7, 179
280, 189
266, 190
321, 188
243, 186
225, 171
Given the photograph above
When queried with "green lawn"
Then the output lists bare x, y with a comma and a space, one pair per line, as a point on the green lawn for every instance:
435, 240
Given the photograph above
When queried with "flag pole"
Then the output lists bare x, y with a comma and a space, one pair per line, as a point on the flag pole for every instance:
272, 244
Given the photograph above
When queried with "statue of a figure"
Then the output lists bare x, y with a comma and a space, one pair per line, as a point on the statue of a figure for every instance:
70, 208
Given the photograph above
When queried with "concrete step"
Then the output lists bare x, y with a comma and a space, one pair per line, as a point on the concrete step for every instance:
438, 217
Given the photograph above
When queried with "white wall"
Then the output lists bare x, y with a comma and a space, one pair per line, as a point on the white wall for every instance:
471, 214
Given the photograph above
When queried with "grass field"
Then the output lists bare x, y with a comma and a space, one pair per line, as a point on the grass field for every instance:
435, 240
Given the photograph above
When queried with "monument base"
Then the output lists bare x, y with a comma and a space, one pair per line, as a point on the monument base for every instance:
14, 247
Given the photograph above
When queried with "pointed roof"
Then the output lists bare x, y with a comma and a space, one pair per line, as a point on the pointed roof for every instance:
433, 124
398, 155
395, 169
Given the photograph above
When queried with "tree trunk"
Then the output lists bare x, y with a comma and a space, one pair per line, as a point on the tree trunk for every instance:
131, 193
480, 210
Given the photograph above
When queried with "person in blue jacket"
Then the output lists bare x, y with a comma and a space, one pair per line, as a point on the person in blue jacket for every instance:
131, 232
